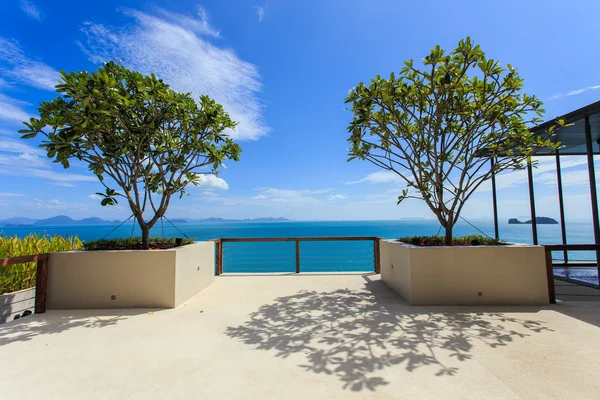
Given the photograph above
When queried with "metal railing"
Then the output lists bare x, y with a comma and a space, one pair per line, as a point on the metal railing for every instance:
297, 254
41, 279
550, 264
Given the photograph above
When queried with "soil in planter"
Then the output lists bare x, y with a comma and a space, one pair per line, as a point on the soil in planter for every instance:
469, 240
135, 243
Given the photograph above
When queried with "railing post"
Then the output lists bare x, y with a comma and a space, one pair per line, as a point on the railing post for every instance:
494, 200
220, 258
41, 286
593, 193
297, 256
550, 276
534, 231
376, 255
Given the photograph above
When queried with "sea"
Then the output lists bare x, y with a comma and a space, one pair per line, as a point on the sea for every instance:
342, 256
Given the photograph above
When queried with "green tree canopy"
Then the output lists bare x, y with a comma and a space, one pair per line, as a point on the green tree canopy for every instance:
439, 126
144, 141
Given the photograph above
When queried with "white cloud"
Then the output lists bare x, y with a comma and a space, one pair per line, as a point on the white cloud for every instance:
260, 11
545, 170
37, 74
48, 174
289, 196
22, 161
94, 197
14, 64
9, 132
17, 146
11, 110
8, 194
30, 9
377, 177
174, 47
337, 197
209, 194
569, 178
54, 204
209, 181
63, 184
573, 92
200, 26
376, 199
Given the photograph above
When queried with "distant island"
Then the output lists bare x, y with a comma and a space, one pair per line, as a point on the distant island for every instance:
66, 220
538, 221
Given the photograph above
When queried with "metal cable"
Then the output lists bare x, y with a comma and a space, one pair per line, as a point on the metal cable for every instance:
117, 227
480, 231
186, 236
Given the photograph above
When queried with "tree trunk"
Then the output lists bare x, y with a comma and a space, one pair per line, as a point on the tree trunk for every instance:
448, 240
145, 235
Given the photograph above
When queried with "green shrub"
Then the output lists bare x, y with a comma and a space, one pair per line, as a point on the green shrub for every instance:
469, 240
134, 243
22, 276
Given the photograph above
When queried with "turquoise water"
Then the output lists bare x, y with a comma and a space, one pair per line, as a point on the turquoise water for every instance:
320, 256
576, 233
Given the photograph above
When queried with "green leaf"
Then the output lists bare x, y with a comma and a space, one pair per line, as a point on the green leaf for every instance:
134, 132
437, 125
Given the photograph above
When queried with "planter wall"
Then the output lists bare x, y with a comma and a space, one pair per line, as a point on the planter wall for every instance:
136, 278
16, 303
481, 275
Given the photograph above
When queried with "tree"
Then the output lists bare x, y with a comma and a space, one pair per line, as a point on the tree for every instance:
144, 141
438, 127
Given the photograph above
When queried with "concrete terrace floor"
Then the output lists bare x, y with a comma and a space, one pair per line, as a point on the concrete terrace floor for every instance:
304, 337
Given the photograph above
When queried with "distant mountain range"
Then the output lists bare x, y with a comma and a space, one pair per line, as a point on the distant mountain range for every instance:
58, 220
65, 220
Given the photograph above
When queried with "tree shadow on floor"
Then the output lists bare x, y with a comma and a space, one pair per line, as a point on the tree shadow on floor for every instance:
354, 334
54, 322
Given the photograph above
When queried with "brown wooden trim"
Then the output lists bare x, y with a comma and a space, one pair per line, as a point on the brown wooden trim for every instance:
572, 247
297, 256
575, 264
376, 256
550, 277
41, 286
220, 253
22, 259
302, 239
218, 261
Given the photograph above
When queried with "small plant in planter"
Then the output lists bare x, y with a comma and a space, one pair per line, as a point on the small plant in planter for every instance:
469, 240
135, 243
144, 141
438, 127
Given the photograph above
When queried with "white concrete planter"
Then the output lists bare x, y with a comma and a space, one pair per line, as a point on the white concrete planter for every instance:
474, 275
129, 279
16, 303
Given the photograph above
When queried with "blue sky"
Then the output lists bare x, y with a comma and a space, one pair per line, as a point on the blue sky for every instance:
282, 69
